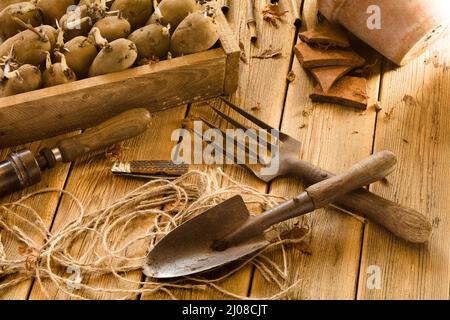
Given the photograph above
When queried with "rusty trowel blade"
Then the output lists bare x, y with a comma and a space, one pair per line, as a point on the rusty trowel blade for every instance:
187, 249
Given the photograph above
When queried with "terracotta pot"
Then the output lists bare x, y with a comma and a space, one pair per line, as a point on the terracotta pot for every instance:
408, 27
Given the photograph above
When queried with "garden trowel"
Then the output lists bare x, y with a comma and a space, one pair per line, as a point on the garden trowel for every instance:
228, 232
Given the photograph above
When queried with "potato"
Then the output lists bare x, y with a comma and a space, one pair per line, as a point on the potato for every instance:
106, 3
26, 78
113, 27
57, 73
76, 23
80, 52
50, 32
152, 41
53, 10
137, 12
25, 11
172, 12
115, 56
5, 3
196, 33
30, 46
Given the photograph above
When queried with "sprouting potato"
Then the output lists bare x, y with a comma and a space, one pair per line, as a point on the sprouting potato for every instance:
80, 52
5, 3
76, 23
29, 46
172, 12
196, 33
107, 3
152, 41
57, 73
137, 12
116, 56
51, 34
53, 10
25, 11
113, 27
26, 78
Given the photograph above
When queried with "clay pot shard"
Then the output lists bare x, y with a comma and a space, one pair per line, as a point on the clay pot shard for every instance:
349, 92
329, 35
312, 57
328, 76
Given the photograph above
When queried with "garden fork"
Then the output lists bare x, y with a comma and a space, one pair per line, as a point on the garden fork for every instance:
403, 222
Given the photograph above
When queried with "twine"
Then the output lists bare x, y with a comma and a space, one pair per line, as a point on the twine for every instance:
108, 236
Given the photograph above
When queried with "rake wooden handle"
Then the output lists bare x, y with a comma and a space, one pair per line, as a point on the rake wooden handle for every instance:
404, 222
361, 174
122, 127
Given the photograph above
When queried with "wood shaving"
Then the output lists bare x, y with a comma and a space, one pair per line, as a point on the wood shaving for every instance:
115, 152
290, 76
436, 222
272, 14
298, 233
378, 106
269, 53
409, 100
257, 107
243, 55
389, 114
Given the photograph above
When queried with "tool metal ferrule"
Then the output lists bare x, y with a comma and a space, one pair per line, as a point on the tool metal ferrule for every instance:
57, 154
26, 167
121, 167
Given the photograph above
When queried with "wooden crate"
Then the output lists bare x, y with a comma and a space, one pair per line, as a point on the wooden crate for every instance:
51, 111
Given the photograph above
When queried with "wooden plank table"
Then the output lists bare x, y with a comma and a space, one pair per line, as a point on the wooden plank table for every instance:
414, 123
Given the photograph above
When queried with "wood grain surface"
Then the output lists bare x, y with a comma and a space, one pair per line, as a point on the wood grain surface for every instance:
414, 124
342, 254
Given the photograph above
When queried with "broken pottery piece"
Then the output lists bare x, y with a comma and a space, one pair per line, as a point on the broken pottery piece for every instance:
349, 92
326, 34
327, 76
311, 57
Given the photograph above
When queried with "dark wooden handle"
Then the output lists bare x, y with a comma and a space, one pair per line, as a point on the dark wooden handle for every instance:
122, 127
363, 173
406, 223
158, 168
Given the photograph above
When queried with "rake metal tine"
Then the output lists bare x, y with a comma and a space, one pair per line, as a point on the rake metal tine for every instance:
236, 143
230, 156
237, 124
253, 119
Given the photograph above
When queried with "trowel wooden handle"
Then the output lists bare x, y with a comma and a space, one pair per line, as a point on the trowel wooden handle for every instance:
317, 196
363, 173
122, 127
406, 223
